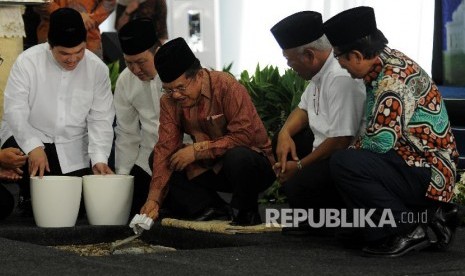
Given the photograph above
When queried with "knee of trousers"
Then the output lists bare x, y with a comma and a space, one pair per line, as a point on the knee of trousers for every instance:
239, 160
343, 161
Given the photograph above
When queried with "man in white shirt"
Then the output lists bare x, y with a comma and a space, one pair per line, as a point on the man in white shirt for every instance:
58, 104
331, 105
137, 104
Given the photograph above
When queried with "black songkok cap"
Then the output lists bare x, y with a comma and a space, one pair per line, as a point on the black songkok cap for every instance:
298, 29
66, 28
137, 36
350, 25
173, 59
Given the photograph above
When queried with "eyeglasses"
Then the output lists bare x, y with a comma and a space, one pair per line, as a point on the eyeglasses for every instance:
336, 56
180, 89
1, 60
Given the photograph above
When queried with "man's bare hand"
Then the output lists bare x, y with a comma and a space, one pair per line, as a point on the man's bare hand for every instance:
291, 170
101, 168
38, 162
88, 22
151, 209
11, 158
182, 158
10, 174
285, 146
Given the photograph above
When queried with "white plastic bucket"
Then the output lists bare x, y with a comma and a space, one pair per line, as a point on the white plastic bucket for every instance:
108, 198
56, 200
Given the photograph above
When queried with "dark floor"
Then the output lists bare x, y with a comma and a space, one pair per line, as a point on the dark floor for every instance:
24, 252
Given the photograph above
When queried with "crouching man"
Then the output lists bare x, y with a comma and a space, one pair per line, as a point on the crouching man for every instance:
231, 150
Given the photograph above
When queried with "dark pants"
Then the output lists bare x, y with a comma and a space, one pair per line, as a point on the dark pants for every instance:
312, 187
7, 202
141, 188
54, 165
381, 181
245, 173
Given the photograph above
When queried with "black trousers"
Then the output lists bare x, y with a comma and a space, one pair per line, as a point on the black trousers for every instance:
245, 173
369, 180
312, 187
141, 188
54, 165
7, 202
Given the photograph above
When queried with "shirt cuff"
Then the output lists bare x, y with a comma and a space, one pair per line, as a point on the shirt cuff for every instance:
98, 158
31, 144
202, 150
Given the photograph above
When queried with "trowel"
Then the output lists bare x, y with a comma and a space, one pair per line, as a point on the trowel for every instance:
116, 244
138, 224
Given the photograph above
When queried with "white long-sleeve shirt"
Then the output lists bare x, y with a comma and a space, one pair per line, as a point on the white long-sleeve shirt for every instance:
137, 105
45, 103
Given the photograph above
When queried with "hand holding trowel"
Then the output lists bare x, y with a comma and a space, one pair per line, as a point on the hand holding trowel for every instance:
138, 224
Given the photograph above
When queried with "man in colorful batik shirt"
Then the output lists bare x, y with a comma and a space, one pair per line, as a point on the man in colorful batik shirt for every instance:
406, 160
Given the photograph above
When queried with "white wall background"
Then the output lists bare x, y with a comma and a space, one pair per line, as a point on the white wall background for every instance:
244, 37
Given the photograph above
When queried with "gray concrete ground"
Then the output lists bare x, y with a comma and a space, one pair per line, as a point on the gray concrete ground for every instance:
26, 251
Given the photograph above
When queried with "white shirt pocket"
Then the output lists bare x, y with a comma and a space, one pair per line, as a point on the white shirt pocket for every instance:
79, 107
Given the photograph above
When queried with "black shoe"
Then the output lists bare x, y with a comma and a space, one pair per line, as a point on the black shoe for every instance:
213, 213
246, 218
399, 245
445, 221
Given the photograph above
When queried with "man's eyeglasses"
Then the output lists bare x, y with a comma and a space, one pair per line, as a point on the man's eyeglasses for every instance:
1, 60
180, 89
337, 56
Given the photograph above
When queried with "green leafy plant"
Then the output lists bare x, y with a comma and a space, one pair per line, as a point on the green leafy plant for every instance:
274, 95
459, 189
114, 73
459, 192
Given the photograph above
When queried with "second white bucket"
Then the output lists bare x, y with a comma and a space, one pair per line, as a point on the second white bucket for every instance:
108, 198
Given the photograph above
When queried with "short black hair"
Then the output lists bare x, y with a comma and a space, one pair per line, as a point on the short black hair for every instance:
370, 45
193, 70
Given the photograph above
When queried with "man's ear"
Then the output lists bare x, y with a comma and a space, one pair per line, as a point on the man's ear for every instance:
358, 56
308, 53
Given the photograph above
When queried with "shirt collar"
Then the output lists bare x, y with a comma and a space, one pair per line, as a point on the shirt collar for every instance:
206, 87
328, 63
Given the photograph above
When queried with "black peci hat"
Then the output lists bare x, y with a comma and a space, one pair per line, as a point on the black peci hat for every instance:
350, 25
137, 36
298, 29
66, 28
173, 59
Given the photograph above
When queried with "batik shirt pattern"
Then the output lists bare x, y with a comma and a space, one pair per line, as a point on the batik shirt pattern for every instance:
406, 112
